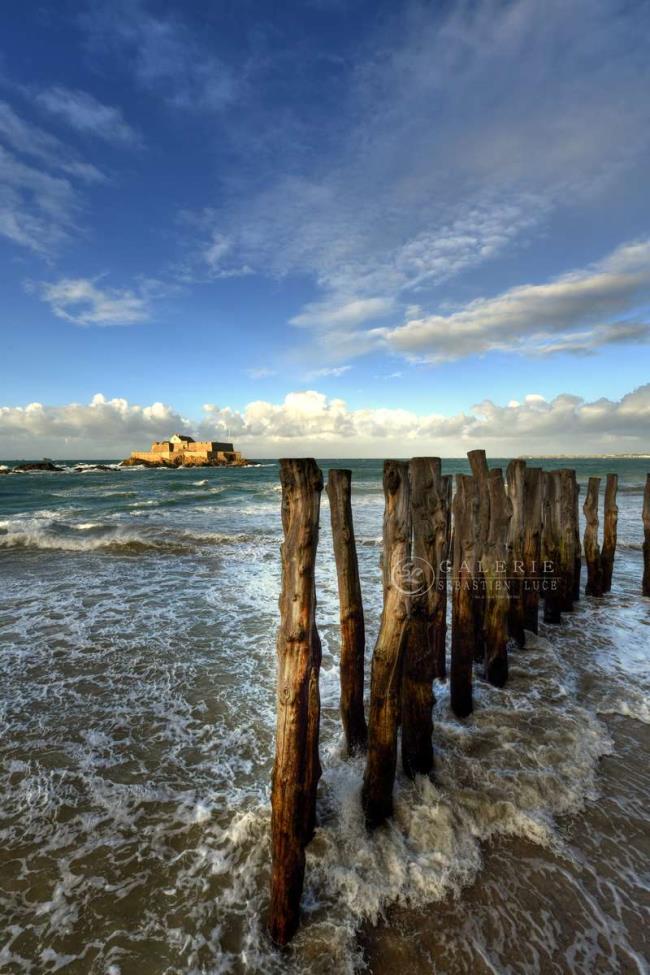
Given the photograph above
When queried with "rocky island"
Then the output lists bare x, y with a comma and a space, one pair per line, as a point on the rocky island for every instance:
182, 451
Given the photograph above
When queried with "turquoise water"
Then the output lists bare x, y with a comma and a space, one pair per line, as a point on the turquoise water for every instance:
136, 737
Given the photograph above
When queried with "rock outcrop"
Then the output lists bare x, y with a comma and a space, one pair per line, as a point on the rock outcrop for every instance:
36, 465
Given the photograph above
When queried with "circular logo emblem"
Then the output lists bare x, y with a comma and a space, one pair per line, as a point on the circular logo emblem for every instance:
413, 577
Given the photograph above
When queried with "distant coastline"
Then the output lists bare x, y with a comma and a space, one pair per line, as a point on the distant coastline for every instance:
585, 456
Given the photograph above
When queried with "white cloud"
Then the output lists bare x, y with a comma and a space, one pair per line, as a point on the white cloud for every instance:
30, 140
568, 314
166, 58
263, 372
86, 114
462, 129
82, 301
310, 423
353, 312
40, 199
329, 371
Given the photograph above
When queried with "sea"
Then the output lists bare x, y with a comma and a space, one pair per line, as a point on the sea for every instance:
138, 615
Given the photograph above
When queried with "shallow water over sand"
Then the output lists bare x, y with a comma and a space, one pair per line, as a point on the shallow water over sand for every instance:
136, 736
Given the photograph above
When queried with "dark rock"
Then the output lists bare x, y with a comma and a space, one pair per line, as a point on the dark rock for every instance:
38, 465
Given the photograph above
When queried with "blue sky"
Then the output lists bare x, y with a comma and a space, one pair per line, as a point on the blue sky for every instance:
424, 212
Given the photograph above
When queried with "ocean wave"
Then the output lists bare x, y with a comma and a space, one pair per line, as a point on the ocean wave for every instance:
94, 536
126, 543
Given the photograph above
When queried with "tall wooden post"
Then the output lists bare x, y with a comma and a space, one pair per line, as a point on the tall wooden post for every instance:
516, 481
426, 625
609, 531
551, 549
353, 639
568, 535
594, 585
297, 769
577, 566
443, 568
646, 538
495, 570
464, 615
533, 497
386, 674
480, 472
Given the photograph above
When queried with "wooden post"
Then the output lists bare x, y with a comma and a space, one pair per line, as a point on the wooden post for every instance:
297, 769
609, 531
480, 471
516, 479
464, 615
426, 625
495, 570
551, 549
594, 585
568, 533
577, 567
353, 640
386, 674
646, 538
533, 498
443, 565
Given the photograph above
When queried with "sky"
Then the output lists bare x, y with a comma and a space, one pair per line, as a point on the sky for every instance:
331, 228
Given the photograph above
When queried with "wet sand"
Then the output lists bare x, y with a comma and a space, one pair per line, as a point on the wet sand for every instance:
580, 909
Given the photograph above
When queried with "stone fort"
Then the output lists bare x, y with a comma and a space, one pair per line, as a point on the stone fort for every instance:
180, 449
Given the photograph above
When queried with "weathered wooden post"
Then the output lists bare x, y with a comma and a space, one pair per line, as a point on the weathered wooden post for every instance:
516, 481
609, 531
480, 472
464, 616
495, 571
533, 497
426, 624
297, 769
594, 585
646, 538
386, 674
568, 534
353, 639
443, 566
551, 549
577, 566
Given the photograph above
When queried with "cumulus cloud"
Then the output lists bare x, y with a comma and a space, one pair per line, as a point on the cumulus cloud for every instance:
82, 301
569, 314
310, 423
86, 114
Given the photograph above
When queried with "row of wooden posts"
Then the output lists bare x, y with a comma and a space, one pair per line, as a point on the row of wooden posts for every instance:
502, 546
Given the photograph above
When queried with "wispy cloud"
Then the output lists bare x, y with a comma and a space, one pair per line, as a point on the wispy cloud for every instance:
462, 130
572, 313
83, 302
310, 422
343, 313
166, 58
260, 373
83, 112
334, 371
41, 182
30, 140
